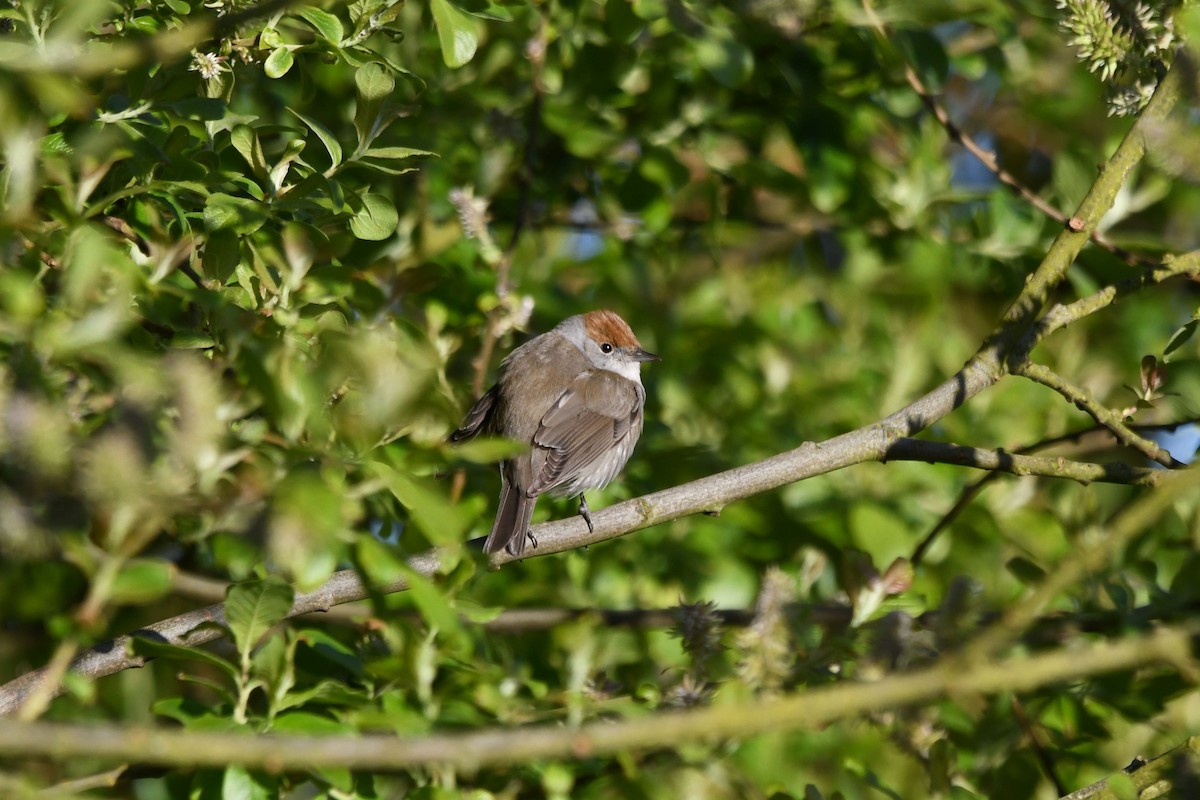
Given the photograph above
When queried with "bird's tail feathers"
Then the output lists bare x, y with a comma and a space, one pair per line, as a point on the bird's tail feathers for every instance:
511, 527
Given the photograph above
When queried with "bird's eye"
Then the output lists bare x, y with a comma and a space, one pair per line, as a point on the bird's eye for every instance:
606, 348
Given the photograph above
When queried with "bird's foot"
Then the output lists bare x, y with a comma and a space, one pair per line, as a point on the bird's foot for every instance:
586, 513
511, 547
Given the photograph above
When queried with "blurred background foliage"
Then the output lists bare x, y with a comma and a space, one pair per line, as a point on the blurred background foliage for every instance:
244, 281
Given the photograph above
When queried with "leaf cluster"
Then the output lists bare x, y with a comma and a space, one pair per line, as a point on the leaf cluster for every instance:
255, 259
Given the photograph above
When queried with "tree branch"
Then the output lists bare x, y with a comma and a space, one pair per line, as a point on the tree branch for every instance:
505, 745
1172, 774
1084, 401
970, 491
1060, 316
1001, 461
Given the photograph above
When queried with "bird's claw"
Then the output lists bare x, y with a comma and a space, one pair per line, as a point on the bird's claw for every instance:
586, 513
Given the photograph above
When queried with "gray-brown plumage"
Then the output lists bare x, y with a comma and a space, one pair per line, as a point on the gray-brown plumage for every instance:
575, 396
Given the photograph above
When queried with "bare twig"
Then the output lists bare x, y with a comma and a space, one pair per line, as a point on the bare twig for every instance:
1173, 266
972, 490
1001, 461
1036, 743
989, 160
1084, 401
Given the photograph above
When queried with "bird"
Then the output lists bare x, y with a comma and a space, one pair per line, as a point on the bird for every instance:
574, 395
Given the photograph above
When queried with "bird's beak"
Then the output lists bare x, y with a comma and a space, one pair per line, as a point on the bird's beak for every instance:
638, 354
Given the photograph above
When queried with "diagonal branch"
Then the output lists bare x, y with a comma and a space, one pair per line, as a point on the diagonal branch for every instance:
1086, 402
706, 494
1060, 316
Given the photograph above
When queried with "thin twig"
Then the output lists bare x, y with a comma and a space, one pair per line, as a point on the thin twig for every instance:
100, 780
989, 160
972, 490
1001, 461
1038, 745
1058, 317
524, 173
1086, 402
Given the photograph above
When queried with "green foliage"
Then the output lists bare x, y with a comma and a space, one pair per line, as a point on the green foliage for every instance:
247, 260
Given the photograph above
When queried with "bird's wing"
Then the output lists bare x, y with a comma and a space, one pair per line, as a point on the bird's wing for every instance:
591, 420
478, 416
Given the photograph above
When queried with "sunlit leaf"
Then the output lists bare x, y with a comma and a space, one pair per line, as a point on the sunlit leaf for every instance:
254, 607
457, 33
326, 24
376, 219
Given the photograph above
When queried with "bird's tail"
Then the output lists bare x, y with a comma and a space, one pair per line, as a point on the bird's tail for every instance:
512, 521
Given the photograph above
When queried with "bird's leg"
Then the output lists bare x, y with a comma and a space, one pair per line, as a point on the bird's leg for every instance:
511, 547
586, 513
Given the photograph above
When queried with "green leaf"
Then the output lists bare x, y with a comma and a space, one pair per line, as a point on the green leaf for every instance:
437, 609
441, 521
328, 693
488, 450
245, 140
142, 581
193, 714
253, 607
458, 33
278, 63
492, 11
375, 85
1180, 337
376, 219
191, 340
321, 644
327, 138
223, 212
725, 58
381, 565
307, 724
1026, 571
273, 665
326, 24
396, 152
141, 644
239, 784
309, 513
381, 167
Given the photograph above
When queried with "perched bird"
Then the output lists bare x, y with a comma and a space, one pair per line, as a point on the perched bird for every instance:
575, 396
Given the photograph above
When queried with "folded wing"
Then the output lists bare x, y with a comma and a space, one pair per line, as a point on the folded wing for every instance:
588, 434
